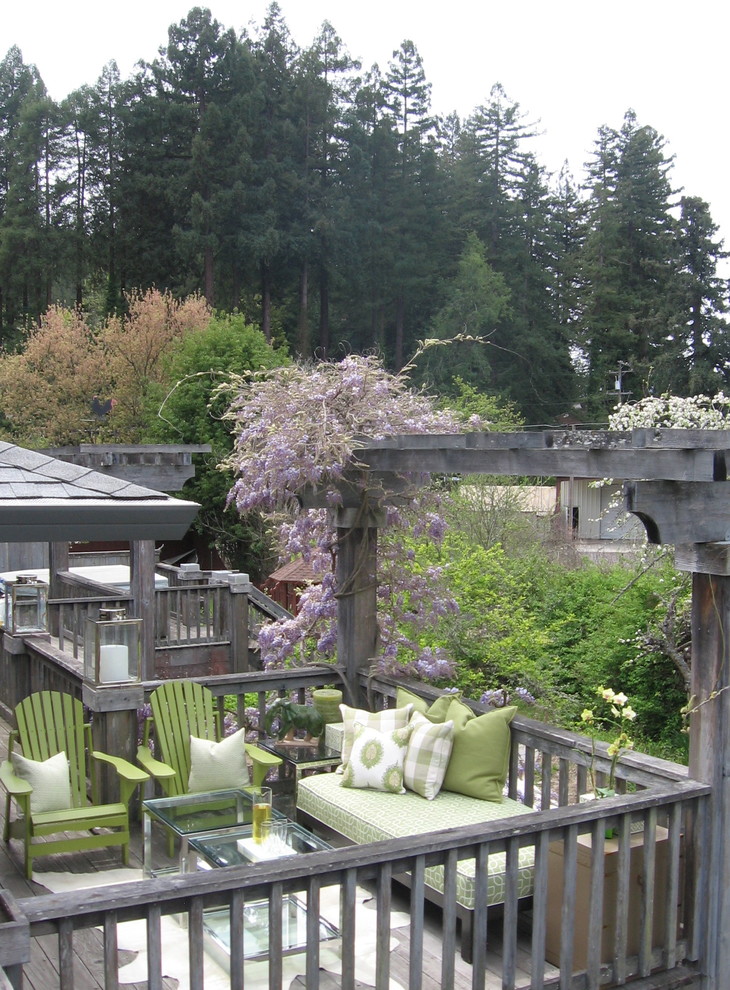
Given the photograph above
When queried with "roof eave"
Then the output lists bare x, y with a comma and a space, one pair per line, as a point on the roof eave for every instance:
57, 520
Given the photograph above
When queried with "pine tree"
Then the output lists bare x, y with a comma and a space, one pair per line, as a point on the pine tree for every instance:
695, 358
627, 263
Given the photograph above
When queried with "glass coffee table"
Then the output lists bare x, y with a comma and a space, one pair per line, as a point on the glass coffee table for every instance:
189, 815
302, 758
235, 847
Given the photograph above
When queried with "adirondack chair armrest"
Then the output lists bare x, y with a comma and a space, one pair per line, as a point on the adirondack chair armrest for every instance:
155, 768
13, 784
262, 762
123, 767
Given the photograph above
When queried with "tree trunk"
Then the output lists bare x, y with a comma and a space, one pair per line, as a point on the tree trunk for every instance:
324, 312
399, 321
266, 301
208, 276
304, 342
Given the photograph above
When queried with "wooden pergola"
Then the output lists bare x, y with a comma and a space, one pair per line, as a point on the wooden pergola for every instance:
675, 482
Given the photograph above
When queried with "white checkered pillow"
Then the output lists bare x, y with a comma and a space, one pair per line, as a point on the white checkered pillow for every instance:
386, 721
376, 759
427, 756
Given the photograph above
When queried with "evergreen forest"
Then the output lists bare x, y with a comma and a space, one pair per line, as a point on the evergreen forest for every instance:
329, 206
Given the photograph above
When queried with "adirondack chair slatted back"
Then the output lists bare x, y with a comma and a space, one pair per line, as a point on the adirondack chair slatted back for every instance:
50, 723
181, 709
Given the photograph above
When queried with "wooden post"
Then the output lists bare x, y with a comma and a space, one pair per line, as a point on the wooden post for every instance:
710, 758
114, 728
58, 560
238, 587
142, 589
356, 574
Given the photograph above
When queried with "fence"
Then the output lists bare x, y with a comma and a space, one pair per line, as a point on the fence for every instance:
605, 935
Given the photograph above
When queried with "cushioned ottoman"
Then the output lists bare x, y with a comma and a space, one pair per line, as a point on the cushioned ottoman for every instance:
364, 816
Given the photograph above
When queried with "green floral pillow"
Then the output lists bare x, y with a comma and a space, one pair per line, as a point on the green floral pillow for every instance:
376, 759
384, 721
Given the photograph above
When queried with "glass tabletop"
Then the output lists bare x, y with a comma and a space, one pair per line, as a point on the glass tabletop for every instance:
217, 930
235, 847
301, 752
188, 814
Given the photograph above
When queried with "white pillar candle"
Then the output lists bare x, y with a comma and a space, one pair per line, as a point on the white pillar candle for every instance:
113, 663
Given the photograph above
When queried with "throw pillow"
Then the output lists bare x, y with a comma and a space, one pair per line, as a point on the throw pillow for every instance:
480, 757
436, 712
427, 756
439, 710
385, 721
218, 766
404, 697
49, 779
376, 759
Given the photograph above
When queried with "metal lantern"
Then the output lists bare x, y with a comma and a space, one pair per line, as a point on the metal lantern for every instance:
26, 599
112, 648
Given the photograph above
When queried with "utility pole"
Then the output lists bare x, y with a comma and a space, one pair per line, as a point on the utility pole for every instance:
623, 368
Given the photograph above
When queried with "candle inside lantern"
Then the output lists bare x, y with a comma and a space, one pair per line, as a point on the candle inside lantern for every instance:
113, 663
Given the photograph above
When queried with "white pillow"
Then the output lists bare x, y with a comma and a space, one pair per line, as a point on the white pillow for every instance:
376, 759
427, 756
218, 766
384, 721
50, 780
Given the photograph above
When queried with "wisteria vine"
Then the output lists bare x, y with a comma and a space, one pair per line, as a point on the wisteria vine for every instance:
299, 427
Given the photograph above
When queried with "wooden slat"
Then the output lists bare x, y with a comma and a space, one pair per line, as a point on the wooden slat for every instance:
595, 921
415, 981
154, 947
111, 973
382, 927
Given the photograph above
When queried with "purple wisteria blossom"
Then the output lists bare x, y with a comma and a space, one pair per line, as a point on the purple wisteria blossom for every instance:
299, 428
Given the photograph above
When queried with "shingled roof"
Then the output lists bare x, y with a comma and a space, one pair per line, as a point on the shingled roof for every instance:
44, 499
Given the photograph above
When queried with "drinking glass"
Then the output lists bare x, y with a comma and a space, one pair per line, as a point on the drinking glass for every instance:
261, 801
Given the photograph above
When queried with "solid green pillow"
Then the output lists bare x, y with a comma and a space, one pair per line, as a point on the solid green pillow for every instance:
438, 712
480, 755
435, 713
404, 697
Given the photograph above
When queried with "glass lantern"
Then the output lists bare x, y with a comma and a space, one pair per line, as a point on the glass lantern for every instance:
112, 648
26, 599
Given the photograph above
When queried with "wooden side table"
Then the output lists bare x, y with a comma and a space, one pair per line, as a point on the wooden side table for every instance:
610, 889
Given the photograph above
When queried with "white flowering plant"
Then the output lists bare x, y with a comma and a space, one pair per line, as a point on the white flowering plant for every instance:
618, 715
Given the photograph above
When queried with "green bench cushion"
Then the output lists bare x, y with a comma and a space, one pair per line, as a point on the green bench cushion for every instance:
370, 816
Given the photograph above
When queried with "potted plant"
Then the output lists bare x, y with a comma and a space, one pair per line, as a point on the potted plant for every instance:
618, 716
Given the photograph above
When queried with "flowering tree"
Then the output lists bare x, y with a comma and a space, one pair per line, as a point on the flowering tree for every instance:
300, 427
693, 412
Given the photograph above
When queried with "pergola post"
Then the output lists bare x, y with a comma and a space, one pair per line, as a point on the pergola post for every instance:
709, 759
356, 576
142, 589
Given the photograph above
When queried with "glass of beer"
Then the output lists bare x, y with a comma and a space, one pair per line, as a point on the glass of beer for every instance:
261, 800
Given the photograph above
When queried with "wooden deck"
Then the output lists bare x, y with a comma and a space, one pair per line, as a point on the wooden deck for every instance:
42, 973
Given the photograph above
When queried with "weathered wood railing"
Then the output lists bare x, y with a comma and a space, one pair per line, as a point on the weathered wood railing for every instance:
678, 808
661, 935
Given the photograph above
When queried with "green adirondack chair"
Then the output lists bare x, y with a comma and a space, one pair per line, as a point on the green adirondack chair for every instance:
50, 723
181, 709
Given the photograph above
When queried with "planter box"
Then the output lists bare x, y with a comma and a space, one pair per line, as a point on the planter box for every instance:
610, 888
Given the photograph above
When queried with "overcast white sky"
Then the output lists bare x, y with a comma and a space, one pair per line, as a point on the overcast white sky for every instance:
572, 64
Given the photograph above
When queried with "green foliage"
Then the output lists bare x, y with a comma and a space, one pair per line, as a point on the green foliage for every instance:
526, 622
190, 408
467, 400
495, 639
